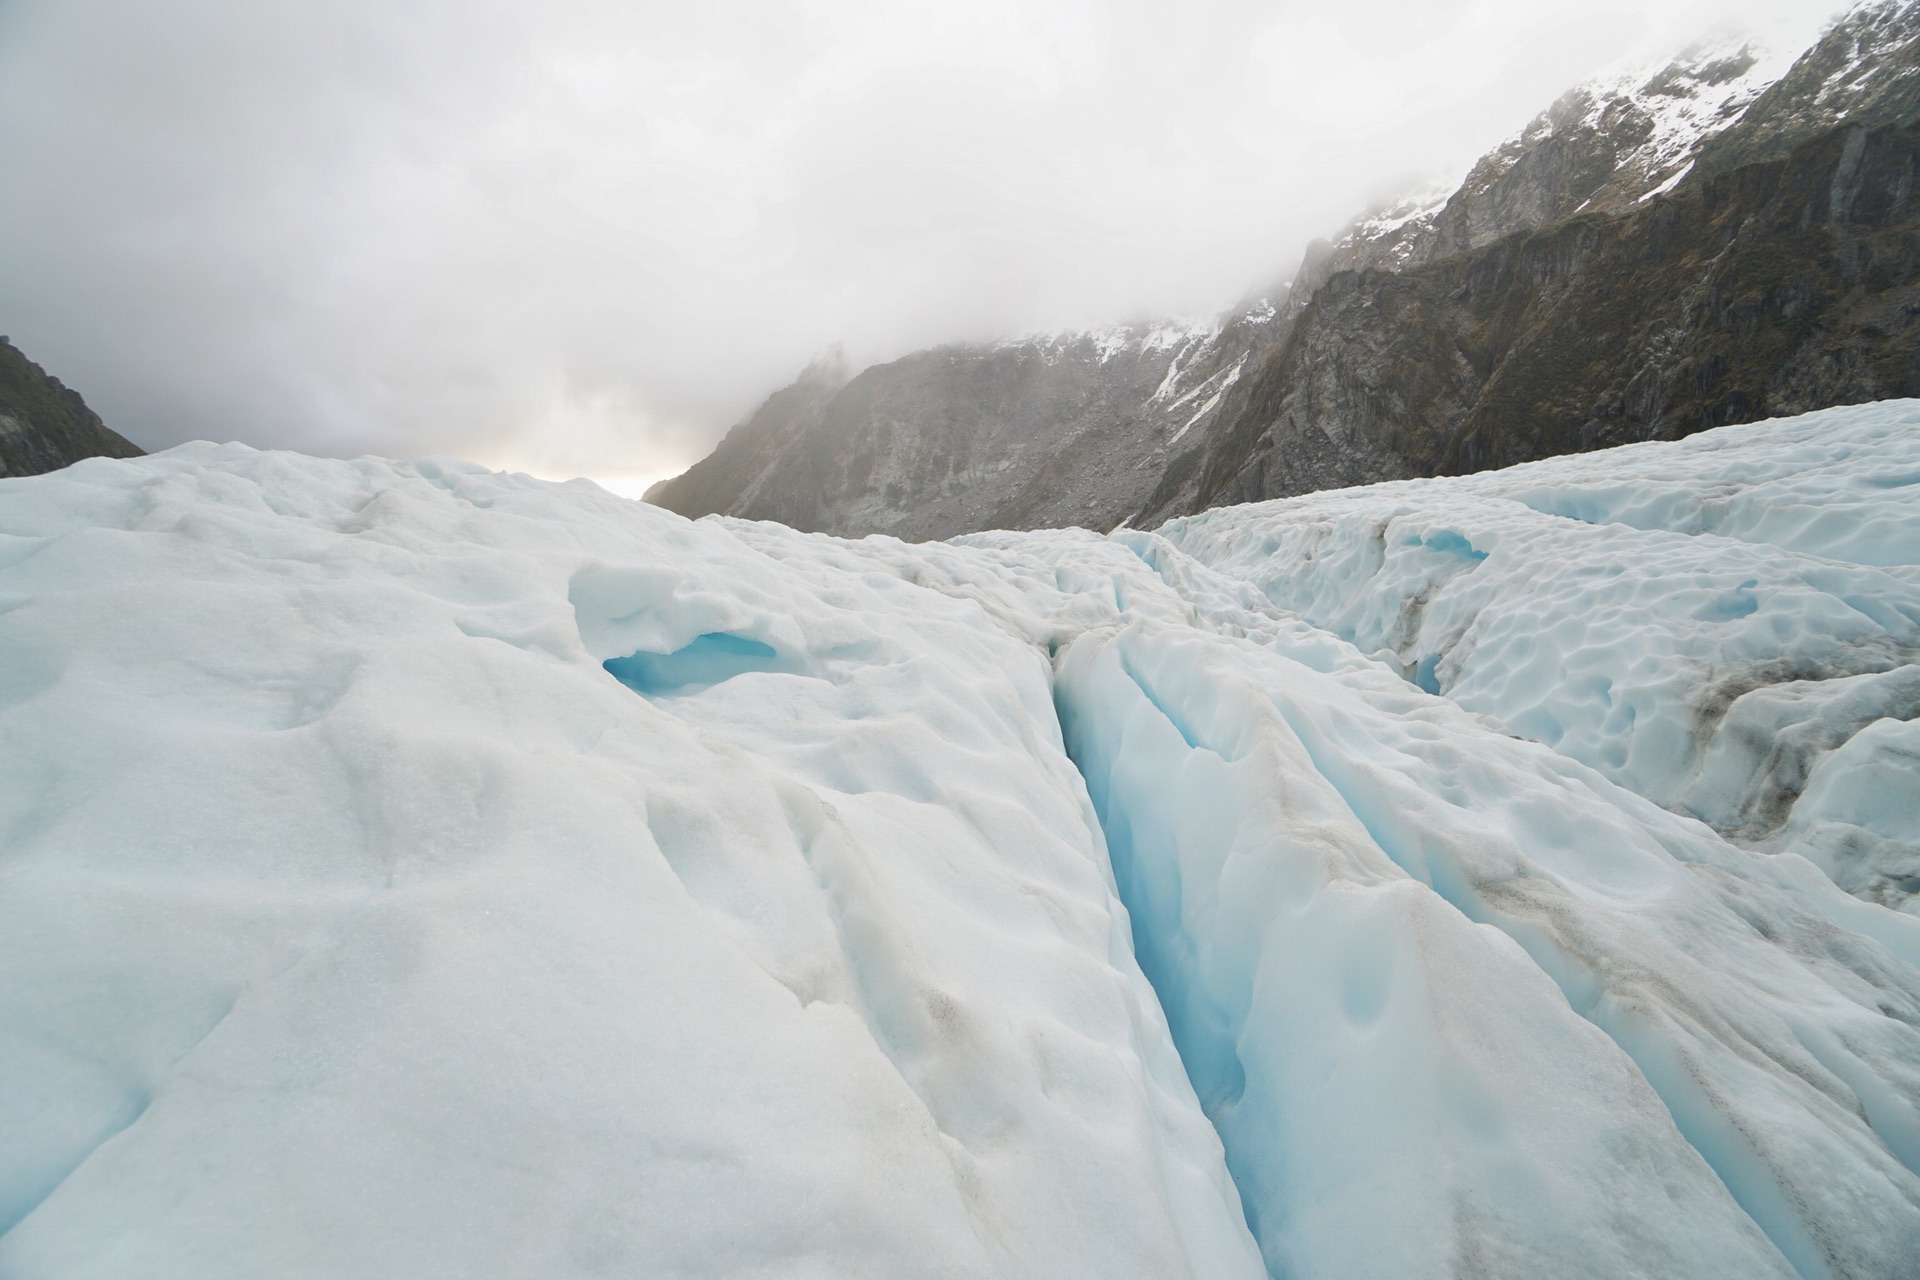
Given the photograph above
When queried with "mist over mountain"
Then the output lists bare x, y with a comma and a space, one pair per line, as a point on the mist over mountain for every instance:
1029, 433
1714, 239
586, 237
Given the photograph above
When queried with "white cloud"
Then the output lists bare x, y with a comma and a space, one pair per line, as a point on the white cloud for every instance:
590, 234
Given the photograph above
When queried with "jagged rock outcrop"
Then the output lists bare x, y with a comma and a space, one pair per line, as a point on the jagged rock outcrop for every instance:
1864, 72
1058, 430
45, 425
740, 463
1602, 146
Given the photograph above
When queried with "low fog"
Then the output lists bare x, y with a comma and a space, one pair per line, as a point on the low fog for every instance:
585, 237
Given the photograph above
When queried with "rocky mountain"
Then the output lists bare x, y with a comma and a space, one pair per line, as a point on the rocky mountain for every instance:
1773, 267
1602, 147
45, 425
1721, 238
1037, 432
1863, 74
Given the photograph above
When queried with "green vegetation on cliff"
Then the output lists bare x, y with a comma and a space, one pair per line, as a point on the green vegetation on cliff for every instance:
45, 425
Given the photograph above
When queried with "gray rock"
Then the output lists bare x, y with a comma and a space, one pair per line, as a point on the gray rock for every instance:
1716, 295
44, 425
1050, 431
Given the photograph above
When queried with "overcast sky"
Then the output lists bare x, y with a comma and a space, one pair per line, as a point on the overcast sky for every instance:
585, 236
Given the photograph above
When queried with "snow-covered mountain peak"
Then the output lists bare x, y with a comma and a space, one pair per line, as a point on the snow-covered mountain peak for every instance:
1679, 106
1107, 342
1864, 70
1628, 134
1638, 129
1131, 422
1621, 137
1390, 236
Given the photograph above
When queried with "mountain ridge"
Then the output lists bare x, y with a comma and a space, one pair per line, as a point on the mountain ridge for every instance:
1309, 387
1049, 429
1573, 337
44, 424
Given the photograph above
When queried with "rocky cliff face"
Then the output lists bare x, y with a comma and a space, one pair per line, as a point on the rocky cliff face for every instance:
44, 425
1768, 264
1057, 430
1768, 290
1601, 147
1863, 73
1724, 238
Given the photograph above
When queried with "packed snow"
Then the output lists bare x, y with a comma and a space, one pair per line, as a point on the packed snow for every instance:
408, 870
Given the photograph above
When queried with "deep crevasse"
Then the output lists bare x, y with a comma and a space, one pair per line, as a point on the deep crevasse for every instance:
800, 953
1360, 1041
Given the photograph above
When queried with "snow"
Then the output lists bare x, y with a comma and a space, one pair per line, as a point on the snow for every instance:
1668, 184
1676, 104
1402, 224
1219, 384
410, 870
1692, 98
1700, 621
1132, 340
1191, 351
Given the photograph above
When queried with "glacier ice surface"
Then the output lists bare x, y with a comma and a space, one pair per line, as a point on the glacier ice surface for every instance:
410, 870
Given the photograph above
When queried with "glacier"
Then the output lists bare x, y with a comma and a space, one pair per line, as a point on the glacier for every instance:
411, 870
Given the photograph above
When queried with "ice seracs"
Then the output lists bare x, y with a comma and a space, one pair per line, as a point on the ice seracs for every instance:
409, 870
1702, 620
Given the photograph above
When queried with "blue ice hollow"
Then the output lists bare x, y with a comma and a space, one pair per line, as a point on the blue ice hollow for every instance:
705, 661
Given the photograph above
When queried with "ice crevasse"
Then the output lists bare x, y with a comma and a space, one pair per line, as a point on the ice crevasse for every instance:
408, 870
